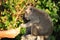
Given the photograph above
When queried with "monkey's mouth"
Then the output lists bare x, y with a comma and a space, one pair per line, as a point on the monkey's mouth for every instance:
25, 19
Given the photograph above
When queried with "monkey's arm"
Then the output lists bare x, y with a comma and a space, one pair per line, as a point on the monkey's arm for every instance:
30, 23
26, 24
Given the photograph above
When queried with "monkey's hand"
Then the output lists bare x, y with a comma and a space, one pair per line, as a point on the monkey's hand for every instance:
23, 25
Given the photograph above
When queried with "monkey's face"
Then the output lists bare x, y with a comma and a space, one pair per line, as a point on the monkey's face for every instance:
28, 12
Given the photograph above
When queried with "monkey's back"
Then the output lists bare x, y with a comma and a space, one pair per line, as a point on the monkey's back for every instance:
44, 26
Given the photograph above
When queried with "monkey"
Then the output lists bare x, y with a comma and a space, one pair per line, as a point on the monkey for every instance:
40, 22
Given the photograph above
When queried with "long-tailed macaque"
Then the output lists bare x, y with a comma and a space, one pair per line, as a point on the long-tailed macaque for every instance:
40, 22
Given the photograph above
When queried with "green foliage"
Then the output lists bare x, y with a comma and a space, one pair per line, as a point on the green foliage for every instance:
10, 14
11, 7
23, 31
52, 37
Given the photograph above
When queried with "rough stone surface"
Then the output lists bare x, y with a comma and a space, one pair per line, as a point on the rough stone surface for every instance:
31, 37
28, 37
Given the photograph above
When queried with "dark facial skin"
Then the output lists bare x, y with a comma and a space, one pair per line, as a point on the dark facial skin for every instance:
28, 12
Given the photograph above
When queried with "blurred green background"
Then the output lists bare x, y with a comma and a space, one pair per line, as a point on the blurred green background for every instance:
52, 7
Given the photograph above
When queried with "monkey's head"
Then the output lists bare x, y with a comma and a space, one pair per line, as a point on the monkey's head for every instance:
28, 12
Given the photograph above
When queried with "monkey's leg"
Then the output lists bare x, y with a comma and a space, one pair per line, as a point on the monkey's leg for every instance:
26, 24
